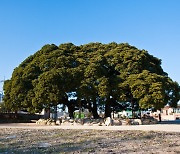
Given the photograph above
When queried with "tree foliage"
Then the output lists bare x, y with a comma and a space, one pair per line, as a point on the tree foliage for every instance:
97, 75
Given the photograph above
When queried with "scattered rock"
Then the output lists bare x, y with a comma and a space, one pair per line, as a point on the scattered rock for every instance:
108, 121
117, 122
11, 137
58, 122
109, 151
44, 145
45, 122
149, 120
71, 120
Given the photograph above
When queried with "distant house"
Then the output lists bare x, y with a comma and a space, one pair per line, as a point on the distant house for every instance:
169, 113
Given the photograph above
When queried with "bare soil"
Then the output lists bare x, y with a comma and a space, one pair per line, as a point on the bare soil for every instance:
14, 140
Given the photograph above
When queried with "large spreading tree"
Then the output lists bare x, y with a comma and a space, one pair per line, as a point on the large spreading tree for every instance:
93, 76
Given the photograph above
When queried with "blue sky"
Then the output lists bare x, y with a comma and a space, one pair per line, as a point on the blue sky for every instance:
27, 25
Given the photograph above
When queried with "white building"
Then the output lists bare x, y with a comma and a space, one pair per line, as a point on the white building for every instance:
1, 97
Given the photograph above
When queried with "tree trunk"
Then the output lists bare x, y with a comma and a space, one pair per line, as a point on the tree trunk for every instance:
94, 110
47, 113
16, 115
108, 108
71, 110
70, 106
159, 116
113, 112
55, 112
132, 106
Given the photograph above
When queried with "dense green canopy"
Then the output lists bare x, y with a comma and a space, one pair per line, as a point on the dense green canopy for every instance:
91, 76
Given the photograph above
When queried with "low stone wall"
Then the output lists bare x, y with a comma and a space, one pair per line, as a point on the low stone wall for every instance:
97, 122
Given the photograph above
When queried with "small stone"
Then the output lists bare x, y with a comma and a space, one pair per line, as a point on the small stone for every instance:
44, 145
11, 137
71, 120
53, 123
108, 121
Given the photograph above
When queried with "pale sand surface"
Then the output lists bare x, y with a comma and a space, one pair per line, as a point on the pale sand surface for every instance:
155, 127
34, 139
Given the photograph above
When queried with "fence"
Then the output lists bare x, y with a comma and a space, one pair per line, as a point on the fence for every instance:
19, 117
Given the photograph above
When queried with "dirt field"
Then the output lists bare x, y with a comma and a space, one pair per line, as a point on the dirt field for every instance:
13, 140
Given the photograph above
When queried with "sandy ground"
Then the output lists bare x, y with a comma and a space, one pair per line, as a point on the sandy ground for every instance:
156, 127
32, 139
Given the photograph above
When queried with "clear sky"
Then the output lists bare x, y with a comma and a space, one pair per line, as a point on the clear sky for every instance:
27, 25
